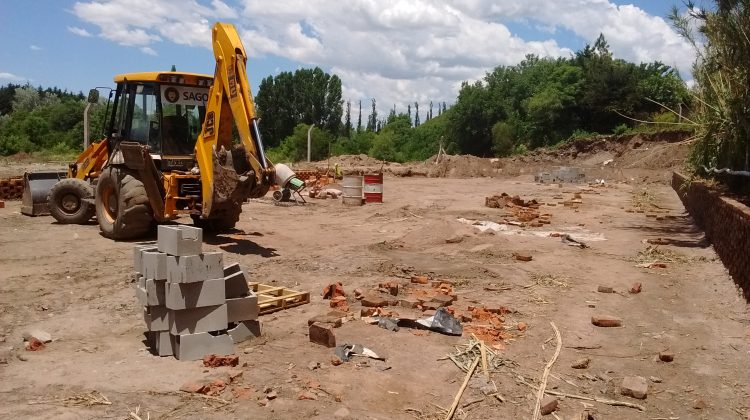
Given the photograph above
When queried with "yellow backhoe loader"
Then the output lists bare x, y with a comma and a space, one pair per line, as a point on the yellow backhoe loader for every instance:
168, 151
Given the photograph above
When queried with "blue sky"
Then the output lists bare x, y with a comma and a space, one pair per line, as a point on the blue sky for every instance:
397, 51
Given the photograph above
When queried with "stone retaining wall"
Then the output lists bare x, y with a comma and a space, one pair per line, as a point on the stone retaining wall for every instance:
726, 223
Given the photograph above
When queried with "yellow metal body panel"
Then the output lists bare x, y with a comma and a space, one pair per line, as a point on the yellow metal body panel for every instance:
90, 162
172, 191
163, 76
229, 98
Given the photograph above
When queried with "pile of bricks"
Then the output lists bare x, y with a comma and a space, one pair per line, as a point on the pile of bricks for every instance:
192, 305
11, 188
524, 211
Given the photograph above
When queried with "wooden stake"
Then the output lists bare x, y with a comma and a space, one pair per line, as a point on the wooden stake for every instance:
457, 399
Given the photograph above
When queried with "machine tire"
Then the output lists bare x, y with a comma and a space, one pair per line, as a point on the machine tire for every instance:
122, 206
70, 201
221, 224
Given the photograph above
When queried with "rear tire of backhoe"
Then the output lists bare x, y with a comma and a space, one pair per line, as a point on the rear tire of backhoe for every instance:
122, 206
71, 201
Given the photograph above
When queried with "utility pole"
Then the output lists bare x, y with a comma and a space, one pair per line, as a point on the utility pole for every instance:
309, 130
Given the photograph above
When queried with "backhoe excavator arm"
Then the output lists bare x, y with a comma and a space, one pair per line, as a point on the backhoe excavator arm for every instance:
230, 100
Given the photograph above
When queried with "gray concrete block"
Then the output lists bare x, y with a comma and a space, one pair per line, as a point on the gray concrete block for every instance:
156, 317
161, 343
193, 268
195, 295
232, 269
140, 294
195, 346
154, 265
138, 251
243, 308
180, 240
236, 281
244, 330
197, 320
155, 292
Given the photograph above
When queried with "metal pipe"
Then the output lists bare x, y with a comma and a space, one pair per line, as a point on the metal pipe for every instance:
259, 144
86, 126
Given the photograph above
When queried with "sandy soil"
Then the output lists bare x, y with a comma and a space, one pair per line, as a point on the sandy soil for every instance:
73, 283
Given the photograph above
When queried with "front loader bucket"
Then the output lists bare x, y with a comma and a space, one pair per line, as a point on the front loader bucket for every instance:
36, 186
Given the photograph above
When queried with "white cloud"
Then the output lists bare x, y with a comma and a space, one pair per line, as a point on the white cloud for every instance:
140, 23
397, 51
79, 31
11, 77
35, 47
148, 50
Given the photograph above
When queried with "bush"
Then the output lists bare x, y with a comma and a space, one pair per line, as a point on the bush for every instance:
15, 143
620, 129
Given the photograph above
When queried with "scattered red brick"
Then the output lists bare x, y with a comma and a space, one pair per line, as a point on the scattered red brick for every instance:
549, 404
635, 288
333, 290
606, 321
208, 388
522, 326
374, 300
666, 356
322, 334
340, 303
605, 289
34, 344
520, 256
213, 360
390, 287
420, 279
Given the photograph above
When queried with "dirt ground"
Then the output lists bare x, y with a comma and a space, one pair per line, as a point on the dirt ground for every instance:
73, 283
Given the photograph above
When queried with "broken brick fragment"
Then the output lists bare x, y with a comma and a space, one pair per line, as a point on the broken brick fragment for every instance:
333, 290
420, 279
606, 321
213, 360
322, 334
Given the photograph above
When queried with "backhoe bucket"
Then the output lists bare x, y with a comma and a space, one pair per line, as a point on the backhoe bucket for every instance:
36, 186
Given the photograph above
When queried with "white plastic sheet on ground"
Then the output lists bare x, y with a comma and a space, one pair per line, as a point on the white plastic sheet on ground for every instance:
576, 232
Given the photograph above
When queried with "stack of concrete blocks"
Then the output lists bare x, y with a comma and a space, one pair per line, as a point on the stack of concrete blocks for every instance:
562, 174
192, 305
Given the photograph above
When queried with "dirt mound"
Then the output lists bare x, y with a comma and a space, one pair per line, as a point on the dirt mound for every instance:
598, 155
437, 233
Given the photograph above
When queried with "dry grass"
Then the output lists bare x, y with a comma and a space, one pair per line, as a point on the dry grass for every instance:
550, 280
655, 254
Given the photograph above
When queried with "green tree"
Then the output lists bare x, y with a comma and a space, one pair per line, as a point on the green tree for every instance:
308, 96
348, 119
503, 138
372, 120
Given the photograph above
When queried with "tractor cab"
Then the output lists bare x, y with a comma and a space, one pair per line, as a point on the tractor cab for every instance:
161, 110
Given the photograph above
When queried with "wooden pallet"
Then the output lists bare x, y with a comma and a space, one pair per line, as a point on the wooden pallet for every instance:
273, 298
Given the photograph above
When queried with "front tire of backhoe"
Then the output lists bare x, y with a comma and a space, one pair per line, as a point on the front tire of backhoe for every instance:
70, 201
122, 206
222, 224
